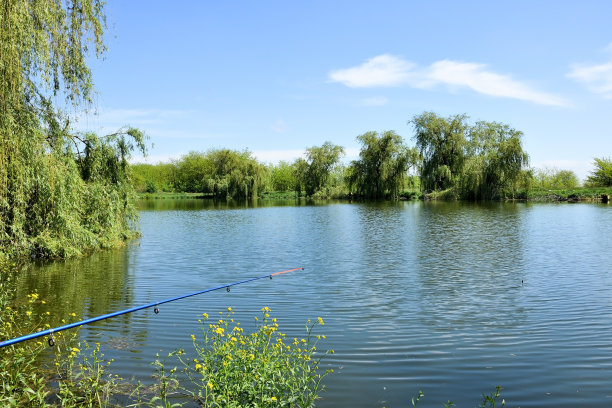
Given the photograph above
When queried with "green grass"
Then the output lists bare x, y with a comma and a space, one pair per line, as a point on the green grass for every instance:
164, 195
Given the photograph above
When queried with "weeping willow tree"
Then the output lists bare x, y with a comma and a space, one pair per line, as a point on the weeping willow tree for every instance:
481, 161
224, 173
61, 192
313, 172
441, 143
383, 163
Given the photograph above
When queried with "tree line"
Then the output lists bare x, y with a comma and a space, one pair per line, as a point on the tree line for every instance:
473, 161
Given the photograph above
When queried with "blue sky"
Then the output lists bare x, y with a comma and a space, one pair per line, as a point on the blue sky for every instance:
276, 77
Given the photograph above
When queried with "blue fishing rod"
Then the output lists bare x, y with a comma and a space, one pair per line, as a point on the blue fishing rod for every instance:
49, 332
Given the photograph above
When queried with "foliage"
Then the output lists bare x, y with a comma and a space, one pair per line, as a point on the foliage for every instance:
153, 178
573, 194
282, 177
261, 369
480, 161
383, 165
21, 383
80, 377
312, 173
60, 193
495, 159
602, 175
441, 143
554, 179
224, 173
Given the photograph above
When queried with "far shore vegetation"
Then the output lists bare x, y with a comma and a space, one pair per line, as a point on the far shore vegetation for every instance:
452, 159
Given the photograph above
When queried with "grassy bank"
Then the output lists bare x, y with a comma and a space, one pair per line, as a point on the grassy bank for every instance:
571, 195
171, 196
587, 194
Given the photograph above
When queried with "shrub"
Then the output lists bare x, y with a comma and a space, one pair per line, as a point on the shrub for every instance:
233, 369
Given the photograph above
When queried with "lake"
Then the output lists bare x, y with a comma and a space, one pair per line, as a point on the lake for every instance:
448, 298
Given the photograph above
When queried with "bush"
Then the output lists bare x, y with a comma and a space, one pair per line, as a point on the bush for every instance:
602, 175
233, 369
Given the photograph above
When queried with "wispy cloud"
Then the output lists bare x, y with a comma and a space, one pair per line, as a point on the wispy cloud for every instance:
479, 79
383, 70
596, 77
389, 70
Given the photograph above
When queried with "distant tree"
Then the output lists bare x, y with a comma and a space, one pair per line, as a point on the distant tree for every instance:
494, 161
382, 166
282, 177
300, 171
602, 175
151, 178
313, 172
481, 161
222, 172
192, 171
441, 143
553, 178
238, 172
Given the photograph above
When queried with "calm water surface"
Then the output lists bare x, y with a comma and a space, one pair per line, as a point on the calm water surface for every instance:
448, 298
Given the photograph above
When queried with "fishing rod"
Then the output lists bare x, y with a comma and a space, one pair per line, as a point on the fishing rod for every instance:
49, 332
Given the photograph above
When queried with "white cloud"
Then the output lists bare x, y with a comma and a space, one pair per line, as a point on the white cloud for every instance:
479, 79
389, 70
383, 70
375, 101
597, 78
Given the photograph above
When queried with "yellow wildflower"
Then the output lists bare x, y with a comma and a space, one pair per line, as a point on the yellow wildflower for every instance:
210, 385
229, 309
273, 398
320, 321
198, 366
205, 315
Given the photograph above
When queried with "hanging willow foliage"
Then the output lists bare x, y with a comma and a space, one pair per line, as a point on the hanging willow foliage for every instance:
61, 193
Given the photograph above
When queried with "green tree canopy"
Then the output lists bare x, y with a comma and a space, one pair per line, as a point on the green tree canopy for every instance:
282, 177
313, 172
222, 172
441, 143
601, 176
61, 192
547, 178
480, 161
383, 164
495, 159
